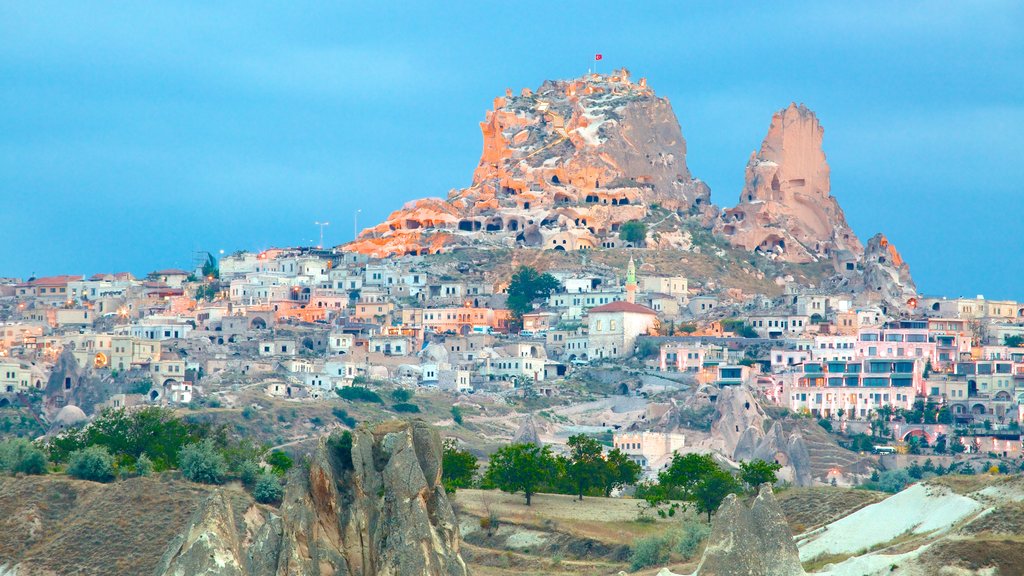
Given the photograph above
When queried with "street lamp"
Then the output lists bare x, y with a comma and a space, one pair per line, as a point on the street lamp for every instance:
321, 225
355, 224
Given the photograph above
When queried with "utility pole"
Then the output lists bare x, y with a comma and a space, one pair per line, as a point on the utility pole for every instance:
321, 225
355, 224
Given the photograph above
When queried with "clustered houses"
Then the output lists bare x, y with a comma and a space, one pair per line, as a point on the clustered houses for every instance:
302, 322
830, 358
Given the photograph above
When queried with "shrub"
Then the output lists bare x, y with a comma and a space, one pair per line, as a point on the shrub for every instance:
401, 395
21, 456
202, 463
890, 481
824, 423
690, 537
406, 408
268, 489
280, 462
359, 394
341, 445
343, 416
93, 463
248, 472
143, 466
648, 552
457, 415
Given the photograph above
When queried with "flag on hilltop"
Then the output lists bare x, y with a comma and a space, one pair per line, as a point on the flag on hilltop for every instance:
597, 57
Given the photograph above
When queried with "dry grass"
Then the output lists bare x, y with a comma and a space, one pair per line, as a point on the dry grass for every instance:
1003, 553
75, 527
808, 508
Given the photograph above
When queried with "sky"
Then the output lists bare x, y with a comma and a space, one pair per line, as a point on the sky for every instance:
133, 135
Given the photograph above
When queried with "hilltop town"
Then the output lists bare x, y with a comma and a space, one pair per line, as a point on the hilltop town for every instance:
584, 284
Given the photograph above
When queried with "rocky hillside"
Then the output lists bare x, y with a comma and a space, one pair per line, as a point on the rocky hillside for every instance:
374, 508
562, 167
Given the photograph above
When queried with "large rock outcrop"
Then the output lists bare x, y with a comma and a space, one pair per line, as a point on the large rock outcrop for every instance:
742, 431
786, 209
886, 277
753, 541
375, 509
562, 167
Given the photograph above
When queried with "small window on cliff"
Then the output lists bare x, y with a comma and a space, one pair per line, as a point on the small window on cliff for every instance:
555, 180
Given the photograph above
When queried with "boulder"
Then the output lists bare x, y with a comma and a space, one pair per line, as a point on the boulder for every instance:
886, 277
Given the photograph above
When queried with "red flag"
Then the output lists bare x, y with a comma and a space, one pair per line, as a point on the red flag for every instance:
598, 56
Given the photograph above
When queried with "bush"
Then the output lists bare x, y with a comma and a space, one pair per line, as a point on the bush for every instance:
202, 463
401, 395
143, 466
824, 423
249, 472
406, 408
341, 445
457, 415
891, 481
343, 416
359, 394
280, 462
268, 489
21, 456
648, 552
690, 537
93, 463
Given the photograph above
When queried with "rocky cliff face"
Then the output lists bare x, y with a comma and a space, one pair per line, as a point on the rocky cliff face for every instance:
786, 209
748, 541
886, 277
562, 167
378, 510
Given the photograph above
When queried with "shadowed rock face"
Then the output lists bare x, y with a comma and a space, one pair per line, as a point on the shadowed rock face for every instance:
887, 278
753, 541
569, 161
384, 514
786, 209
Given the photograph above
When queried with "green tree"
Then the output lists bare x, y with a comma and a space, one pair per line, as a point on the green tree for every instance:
586, 466
268, 489
634, 232
709, 493
19, 456
1014, 341
93, 463
280, 462
211, 270
757, 472
527, 286
621, 471
684, 473
203, 463
521, 468
153, 431
458, 467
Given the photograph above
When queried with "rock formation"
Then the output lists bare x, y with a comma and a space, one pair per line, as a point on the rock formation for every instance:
739, 431
750, 541
376, 509
562, 168
527, 432
786, 209
886, 277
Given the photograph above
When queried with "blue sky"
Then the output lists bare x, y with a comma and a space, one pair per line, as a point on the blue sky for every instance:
133, 134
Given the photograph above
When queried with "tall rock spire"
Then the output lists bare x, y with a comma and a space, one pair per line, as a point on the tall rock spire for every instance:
786, 208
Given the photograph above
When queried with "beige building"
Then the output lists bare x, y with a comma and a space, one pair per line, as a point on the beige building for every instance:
614, 328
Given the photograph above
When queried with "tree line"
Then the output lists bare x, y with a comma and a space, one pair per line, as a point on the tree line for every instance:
121, 444
528, 468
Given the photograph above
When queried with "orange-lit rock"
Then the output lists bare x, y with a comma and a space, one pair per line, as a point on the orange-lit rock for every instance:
886, 277
561, 167
786, 208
